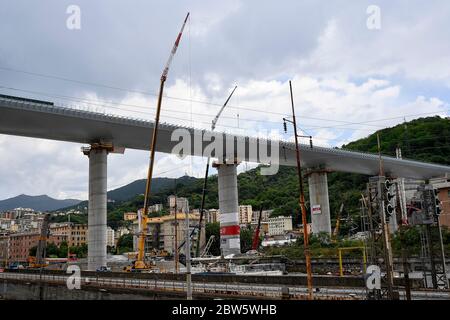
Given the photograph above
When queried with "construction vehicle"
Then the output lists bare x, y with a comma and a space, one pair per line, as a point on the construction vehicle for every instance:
39, 260
140, 264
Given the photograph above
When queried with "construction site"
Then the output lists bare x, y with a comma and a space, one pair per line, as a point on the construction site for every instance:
387, 240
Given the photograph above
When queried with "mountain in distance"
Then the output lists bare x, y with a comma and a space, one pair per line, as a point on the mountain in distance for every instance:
138, 187
38, 203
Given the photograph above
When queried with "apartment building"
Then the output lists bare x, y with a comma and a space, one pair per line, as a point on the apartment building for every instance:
279, 225
245, 214
77, 234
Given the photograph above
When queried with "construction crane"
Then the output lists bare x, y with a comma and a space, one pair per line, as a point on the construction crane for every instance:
205, 182
255, 243
338, 222
39, 260
140, 264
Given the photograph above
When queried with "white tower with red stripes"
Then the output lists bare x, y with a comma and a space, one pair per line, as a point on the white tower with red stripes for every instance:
230, 241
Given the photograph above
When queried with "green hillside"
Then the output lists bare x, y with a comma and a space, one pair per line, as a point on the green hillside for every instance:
422, 139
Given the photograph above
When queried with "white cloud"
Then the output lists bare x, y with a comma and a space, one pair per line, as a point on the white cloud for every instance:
344, 76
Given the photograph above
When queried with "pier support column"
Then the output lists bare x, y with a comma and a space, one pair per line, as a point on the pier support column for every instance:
230, 242
319, 201
98, 155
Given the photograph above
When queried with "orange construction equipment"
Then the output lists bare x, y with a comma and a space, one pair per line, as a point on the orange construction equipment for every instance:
140, 264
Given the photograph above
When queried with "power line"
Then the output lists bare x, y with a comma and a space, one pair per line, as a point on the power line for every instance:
407, 140
95, 103
77, 99
377, 120
101, 105
248, 108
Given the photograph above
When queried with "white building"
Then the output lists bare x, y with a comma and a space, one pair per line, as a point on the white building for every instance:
110, 237
212, 216
279, 225
265, 216
245, 214
155, 208
182, 204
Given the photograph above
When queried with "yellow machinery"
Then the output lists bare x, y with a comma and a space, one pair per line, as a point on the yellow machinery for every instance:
363, 250
338, 223
140, 264
39, 260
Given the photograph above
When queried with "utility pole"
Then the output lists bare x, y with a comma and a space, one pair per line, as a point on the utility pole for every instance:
403, 249
384, 225
302, 201
188, 259
444, 266
379, 156
176, 232
69, 235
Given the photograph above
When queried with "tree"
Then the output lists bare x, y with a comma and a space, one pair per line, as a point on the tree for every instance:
62, 250
52, 250
125, 243
33, 251
246, 239
213, 229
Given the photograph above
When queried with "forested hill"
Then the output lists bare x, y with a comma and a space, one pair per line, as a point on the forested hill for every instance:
425, 139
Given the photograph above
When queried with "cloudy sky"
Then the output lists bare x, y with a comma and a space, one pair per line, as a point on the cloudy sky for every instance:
349, 80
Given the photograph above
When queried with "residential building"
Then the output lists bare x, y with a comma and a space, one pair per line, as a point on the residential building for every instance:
110, 240
300, 229
21, 243
130, 216
181, 204
161, 232
168, 230
121, 231
212, 216
6, 224
245, 214
155, 208
265, 216
4, 248
18, 213
279, 225
443, 186
8, 215
76, 233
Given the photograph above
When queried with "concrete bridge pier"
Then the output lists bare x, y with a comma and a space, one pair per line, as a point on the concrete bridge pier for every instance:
319, 201
98, 154
230, 242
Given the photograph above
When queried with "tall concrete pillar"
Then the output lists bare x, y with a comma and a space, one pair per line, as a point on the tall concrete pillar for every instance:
97, 206
319, 202
230, 242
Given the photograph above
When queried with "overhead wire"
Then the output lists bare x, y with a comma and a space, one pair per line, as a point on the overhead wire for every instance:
239, 107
